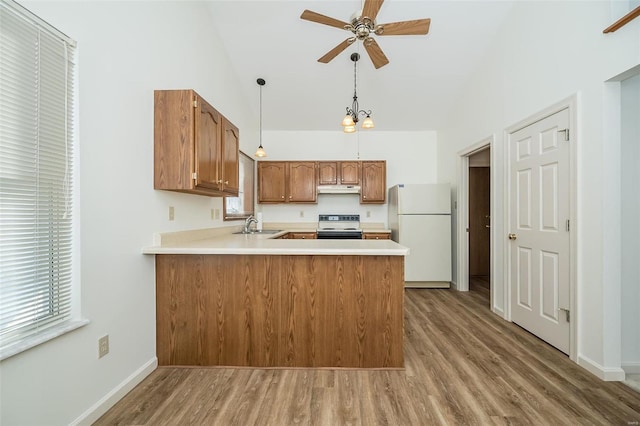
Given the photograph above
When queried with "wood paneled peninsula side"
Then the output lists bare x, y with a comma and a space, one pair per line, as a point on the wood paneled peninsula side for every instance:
260, 301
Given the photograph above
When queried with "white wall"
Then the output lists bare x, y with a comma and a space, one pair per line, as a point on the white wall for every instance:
125, 51
546, 52
411, 158
630, 235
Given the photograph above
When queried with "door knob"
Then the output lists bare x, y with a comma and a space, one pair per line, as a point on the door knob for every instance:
512, 236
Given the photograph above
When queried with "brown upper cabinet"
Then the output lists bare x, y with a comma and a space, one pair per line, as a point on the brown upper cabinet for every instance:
195, 147
374, 182
297, 181
338, 173
287, 181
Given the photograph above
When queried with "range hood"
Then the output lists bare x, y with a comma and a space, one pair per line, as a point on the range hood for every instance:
338, 189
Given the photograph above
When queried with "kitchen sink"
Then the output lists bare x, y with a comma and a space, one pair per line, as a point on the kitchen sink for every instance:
263, 231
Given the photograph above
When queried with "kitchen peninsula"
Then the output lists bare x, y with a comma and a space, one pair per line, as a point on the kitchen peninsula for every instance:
256, 300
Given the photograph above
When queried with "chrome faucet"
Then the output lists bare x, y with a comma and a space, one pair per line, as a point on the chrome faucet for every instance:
248, 222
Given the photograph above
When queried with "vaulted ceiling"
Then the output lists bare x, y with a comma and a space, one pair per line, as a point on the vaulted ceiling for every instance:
425, 77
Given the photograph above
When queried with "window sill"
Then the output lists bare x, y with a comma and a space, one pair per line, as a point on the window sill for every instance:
43, 337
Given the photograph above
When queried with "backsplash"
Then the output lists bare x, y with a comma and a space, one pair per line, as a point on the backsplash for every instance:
327, 204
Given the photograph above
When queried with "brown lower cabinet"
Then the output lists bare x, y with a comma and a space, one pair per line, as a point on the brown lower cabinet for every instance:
302, 235
376, 236
280, 311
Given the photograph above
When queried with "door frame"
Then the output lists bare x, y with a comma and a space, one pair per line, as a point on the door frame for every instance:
570, 103
462, 270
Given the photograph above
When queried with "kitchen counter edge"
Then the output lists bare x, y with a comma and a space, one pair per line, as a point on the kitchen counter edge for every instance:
269, 244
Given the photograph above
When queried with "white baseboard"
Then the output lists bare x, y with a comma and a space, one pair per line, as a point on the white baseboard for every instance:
631, 367
427, 284
609, 374
498, 312
110, 399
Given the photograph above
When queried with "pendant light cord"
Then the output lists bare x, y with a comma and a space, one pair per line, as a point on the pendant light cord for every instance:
260, 152
261, 115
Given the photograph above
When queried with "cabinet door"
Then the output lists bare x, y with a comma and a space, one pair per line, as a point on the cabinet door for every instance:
376, 236
374, 182
349, 172
302, 182
327, 173
230, 158
174, 122
207, 134
302, 235
271, 182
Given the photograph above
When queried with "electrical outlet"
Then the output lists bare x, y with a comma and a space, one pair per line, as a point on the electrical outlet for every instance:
103, 346
368, 213
217, 214
172, 213
301, 213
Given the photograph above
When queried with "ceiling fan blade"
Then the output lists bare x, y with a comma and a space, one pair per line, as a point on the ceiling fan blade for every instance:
415, 27
375, 53
336, 50
322, 19
371, 8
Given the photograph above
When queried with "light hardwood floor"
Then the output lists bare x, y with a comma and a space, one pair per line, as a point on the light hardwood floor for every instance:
464, 365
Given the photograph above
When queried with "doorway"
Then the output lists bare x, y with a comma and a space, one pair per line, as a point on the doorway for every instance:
476, 156
480, 224
630, 238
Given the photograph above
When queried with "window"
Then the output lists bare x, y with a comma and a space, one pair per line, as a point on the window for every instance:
242, 206
36, 153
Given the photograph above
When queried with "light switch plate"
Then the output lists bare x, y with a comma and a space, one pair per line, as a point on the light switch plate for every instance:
103, 346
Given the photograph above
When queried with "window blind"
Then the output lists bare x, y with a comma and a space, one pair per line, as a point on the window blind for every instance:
36, 152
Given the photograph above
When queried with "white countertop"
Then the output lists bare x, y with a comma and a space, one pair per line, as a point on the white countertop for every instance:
268, 244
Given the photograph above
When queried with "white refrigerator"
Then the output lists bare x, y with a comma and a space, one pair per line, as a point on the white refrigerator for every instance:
420, 219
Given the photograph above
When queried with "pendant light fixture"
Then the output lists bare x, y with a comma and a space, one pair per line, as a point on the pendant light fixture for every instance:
260, 152
353, 113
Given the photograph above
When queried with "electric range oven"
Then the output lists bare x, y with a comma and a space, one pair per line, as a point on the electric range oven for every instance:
339, 227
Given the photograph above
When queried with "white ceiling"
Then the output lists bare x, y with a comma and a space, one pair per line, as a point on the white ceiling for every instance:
414, 92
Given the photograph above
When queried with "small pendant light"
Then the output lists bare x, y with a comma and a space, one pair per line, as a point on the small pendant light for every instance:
260, 152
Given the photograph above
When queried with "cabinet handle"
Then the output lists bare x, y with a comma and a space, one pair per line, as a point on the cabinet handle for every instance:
290, 196
226, 182
282, 196
364, 197
220, 181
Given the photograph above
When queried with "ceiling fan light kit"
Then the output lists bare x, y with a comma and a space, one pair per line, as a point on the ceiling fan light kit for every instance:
354, 112
260, 152
363, 26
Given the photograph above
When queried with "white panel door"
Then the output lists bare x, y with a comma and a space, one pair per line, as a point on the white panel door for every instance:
540, 243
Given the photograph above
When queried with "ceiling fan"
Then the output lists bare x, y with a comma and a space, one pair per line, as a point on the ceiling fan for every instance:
363, 25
